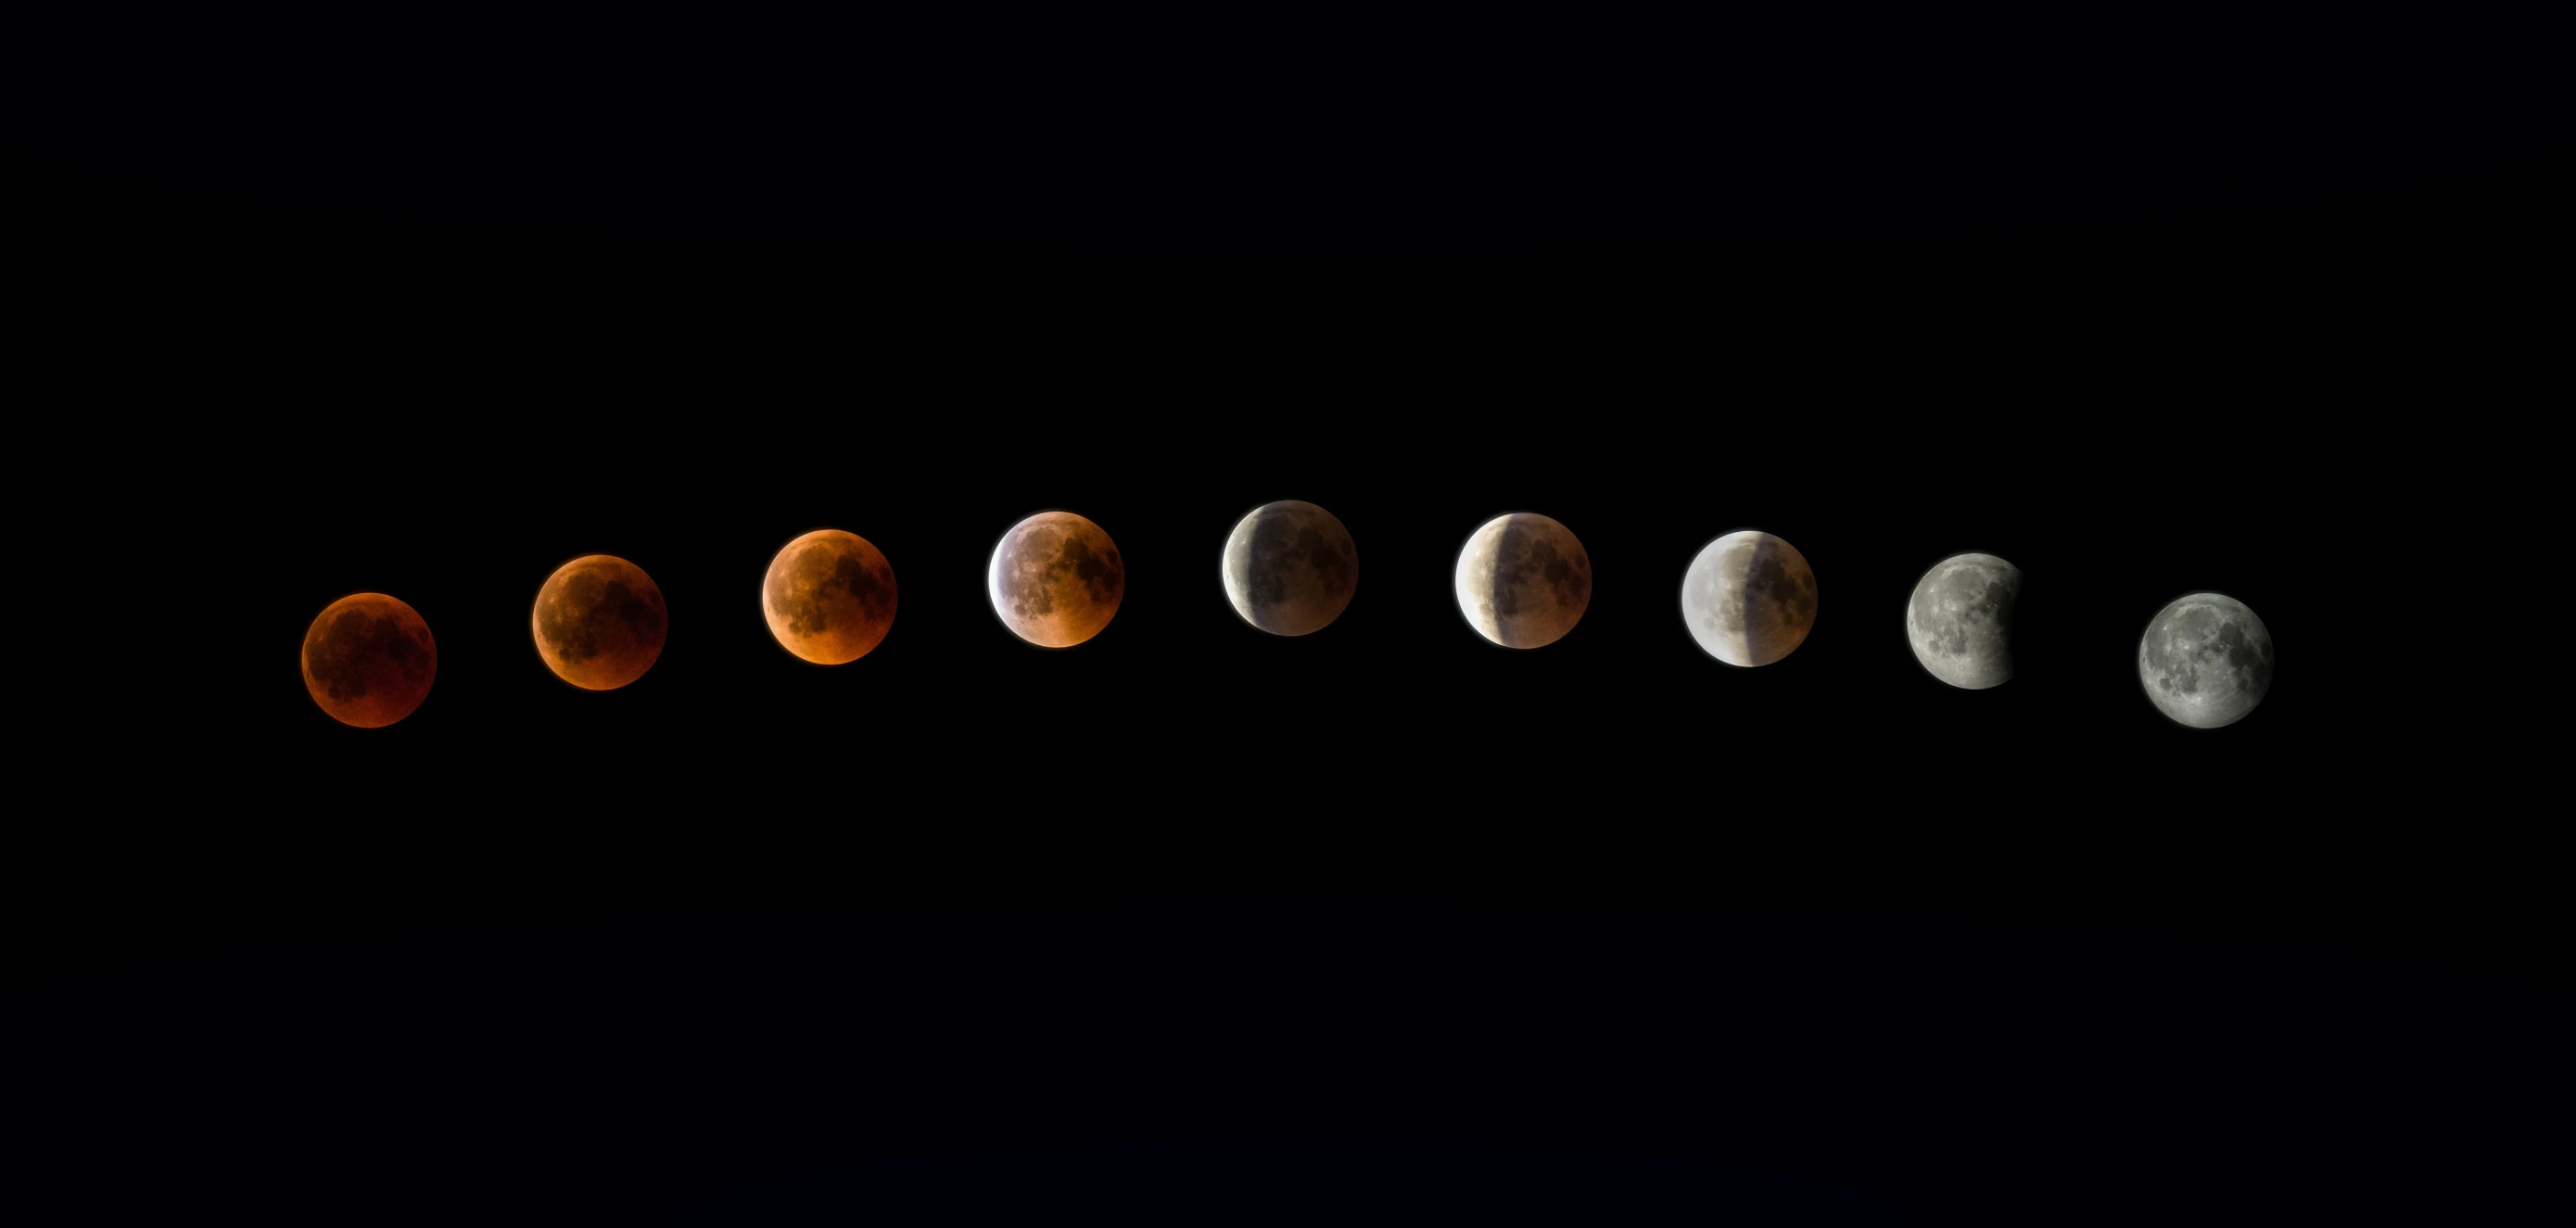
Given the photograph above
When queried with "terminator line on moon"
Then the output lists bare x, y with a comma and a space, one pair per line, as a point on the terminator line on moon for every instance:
1749, 598
2205, 660
829, 597
1056, 579
1960, 620
1523, 580
1290, 568
369, 660
599, 622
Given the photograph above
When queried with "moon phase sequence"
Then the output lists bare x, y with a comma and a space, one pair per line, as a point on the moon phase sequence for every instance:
1056, 579
1960, 620
1749, 598
2205, 660
599, 622
1523, 580
829, 597
1290, 568
369, 660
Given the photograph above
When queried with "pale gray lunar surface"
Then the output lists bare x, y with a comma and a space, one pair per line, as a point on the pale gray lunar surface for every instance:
1960, 620
1523, 580
1290, 568
1749, 598
2206, 660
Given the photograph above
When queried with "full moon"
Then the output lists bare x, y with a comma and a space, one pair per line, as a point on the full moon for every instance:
1056, 579
829, 597
2205, 660
599, 622
1960, 620
368, 660
1523, 580
1749, 598
1290, 568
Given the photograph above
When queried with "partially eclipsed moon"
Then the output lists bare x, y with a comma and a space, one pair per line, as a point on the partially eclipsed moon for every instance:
1749, 598
1960, 620
2206, 660
1056, 579
829, 596
1290, 568
1523, 580
599, 622
368, 660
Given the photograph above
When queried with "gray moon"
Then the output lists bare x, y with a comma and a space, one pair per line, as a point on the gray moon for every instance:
1523, 580
1056, 579
2205, 660
1749, 598
1960, 620
1290, 568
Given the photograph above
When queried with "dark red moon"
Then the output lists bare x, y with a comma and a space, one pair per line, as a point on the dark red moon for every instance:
599, 622
369, 660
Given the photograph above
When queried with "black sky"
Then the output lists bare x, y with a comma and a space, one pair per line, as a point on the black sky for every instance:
2193, 303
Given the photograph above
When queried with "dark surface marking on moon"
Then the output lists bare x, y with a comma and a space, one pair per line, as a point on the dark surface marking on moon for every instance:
804, 588
338, 653
591, 596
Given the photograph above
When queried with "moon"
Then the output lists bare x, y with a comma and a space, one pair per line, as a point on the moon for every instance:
829, 596
368, 660
599, 622
2205, 660
1960, 620
1749, 598
1290, 568
1523, 580
1056, 579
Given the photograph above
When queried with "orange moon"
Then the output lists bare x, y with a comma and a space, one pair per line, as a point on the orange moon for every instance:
599, 622
1056, 579
368, 660
829, 597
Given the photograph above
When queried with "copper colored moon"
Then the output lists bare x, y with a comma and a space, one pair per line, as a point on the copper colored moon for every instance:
599, 622
368, 660
1523, 580
1056, 579
829, 597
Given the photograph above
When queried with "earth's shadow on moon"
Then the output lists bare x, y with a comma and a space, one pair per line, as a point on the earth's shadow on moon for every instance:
2017, 643
1013, 633
1478, 633
1701, 650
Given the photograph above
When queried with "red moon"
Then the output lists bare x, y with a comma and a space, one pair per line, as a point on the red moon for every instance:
829, 597
368, 660
599, 622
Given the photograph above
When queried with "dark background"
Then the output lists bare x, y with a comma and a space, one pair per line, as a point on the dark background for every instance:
2202, 302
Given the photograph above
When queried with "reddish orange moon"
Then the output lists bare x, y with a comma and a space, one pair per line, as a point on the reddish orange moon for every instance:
368, 660
599, 622
829, 597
